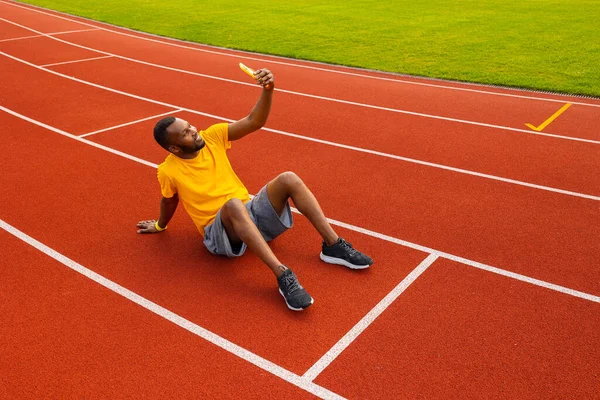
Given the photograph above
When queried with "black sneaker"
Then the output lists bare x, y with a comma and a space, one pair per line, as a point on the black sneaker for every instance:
342, 253
295, 296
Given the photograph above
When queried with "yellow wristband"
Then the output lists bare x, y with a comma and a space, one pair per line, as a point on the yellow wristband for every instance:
158, 228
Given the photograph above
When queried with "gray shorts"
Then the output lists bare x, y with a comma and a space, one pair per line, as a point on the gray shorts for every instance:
263, 215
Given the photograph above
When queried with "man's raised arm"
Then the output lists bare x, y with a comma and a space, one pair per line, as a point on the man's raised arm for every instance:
259, 114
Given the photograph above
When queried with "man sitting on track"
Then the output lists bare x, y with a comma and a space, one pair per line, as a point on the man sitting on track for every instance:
198, 171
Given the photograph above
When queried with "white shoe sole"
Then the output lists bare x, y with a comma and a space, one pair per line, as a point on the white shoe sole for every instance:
293, 308
339, 261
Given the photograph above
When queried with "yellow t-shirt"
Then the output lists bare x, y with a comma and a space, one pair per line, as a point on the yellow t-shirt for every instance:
206, 182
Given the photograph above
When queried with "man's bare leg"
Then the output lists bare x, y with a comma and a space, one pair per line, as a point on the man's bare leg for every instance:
289, 185
334, 250
240, 228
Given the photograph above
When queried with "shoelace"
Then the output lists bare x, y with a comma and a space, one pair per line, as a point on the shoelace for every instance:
291, 284
348, 247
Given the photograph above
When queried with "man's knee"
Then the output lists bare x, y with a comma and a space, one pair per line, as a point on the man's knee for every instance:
234, 209
290, 180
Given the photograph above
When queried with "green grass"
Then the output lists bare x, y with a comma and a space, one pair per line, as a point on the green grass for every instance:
538, 44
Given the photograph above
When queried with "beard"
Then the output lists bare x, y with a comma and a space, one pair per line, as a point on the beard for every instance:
193, 149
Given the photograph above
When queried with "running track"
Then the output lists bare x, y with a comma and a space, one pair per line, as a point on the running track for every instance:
485, 233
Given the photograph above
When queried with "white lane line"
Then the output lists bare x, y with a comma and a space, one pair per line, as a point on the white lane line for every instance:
466, 261
45, 34
308, 138
440, 166
20, 38
432, 116
344, 225
73, 31
75, 61
252, 56
82, 140
526, 279
367, 320
353, 103
130, 123
197, 330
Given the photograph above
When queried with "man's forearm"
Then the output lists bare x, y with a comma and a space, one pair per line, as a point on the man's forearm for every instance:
259, 114
167, 209
261, 110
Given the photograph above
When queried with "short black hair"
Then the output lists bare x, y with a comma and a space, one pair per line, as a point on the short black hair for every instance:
160, 131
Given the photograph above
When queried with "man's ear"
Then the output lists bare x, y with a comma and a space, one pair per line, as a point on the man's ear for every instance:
174, 149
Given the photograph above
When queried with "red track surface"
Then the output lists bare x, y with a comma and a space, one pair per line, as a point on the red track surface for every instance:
457, 331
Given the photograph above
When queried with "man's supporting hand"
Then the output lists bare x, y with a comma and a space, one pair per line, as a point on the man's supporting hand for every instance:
148, 226
168, 205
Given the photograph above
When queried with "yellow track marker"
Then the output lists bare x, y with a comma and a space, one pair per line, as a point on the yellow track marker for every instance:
549, 120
